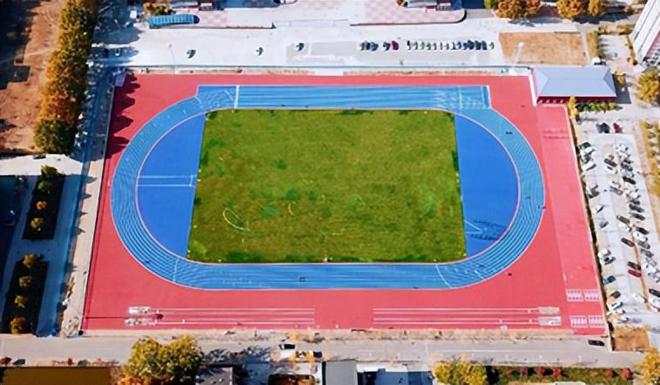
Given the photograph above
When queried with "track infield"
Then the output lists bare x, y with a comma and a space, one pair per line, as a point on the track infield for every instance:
552, 284
340, 186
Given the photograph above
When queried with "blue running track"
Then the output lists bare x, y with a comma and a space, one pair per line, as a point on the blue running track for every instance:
155, 180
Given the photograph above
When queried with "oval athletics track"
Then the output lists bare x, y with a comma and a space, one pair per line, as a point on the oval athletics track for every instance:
470, 102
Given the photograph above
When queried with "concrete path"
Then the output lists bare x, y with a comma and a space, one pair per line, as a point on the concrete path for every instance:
420, 352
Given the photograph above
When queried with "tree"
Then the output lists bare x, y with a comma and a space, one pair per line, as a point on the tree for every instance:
490, 4
30, 260
650, 368
460, 373
54, 135
649, 86
21, 301
25, 281
596, 8
37, 224
510, 9
571, 9
45, 186
571, 106
151, 362
18, 325
41, 205
517, 9
48, 172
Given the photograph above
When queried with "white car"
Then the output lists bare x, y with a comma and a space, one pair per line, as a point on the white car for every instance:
618, 311
588, 166
607, 260
599, 208
604, 252
655, 302
639, 236
638, 298
614, 305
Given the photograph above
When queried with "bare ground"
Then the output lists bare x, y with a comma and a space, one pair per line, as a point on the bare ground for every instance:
32, 28
630, 339
544, 47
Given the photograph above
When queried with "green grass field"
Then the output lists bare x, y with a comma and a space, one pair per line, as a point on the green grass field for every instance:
345, 186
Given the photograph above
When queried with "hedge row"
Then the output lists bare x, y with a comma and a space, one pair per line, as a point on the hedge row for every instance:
503, 375
44, 206
23, 301
63, 94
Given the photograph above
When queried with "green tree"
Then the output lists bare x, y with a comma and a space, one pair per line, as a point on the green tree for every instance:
37, 224
25, 281
649, 368
45, 186
460, 373
649, 86
18, 325
151, 362
490, 4
53, 135
21, 301
48, 172
571, 9
30, 260
596, 8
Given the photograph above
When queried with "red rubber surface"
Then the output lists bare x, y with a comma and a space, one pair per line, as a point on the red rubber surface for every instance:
557, 271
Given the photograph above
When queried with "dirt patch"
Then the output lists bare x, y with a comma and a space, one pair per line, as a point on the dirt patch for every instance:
544, 48
32, 29
630, 339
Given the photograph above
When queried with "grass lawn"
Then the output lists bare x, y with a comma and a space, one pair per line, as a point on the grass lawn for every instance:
352, 186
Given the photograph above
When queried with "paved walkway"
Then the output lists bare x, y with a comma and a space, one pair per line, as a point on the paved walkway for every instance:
413, 350
55, 251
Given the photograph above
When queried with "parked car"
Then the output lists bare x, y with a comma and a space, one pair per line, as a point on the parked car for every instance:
654, 292
615, 294
637, 216
596, 342
627, 242
609, 279
286, 346
635, 273
634, 265
614, 305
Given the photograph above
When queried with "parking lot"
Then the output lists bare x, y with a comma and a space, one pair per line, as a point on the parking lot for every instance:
627, 242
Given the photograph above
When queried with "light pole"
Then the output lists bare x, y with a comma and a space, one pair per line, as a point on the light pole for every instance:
169, 46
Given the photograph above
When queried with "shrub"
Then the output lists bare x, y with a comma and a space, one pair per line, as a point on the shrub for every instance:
556, 372
25, 281
37, 223
41, 205
30, 260
625, 374
490, 4
523, 371
21, 301
45, 186
18, 325
48, 172
539, 371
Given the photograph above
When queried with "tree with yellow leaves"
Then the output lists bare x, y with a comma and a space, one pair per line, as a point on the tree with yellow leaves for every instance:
571, 9
460, 372
571, 106
650, 368
649, 86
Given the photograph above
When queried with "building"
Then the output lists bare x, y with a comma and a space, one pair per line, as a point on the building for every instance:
340, 372
646, 34
586, 84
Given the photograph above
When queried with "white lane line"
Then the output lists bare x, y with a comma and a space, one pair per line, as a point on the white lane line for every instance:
437, 269
236, 95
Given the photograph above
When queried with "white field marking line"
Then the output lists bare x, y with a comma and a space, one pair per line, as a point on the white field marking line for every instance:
437, 269
241, 319
460, 98
481, 277
455, 319
247, 309
477, 228
492, 309
461, 322
236, 95
234, 321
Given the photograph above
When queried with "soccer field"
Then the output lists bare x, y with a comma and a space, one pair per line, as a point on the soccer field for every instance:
345, 186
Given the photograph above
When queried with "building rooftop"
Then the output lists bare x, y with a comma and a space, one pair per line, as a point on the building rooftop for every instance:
340, 373
592, 81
